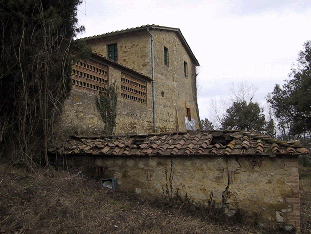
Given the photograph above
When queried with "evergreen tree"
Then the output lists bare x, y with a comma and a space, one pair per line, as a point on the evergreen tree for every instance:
36, 53
244, 116
291, 103
270, 128
205, 124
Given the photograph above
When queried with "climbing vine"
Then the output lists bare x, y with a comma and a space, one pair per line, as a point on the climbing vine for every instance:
169, 182
106, 104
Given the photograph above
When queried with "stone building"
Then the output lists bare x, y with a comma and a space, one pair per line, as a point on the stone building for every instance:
234, 170
154, 71
80, 114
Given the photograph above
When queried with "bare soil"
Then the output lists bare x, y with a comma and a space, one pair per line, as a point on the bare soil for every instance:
49, 201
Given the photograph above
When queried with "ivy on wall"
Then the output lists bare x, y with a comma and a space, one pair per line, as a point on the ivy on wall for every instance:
106, 104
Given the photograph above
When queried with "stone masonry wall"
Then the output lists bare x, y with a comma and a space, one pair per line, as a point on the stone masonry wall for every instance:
133, 50
173, 91
267, 189
81, 117
132, 116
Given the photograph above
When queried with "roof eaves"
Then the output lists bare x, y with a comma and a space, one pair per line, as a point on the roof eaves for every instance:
182, 143
118, 32
181, 37
148, 27
114, 63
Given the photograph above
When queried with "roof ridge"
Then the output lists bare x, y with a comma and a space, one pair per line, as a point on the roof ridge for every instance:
147, 27
129, 30
120, 65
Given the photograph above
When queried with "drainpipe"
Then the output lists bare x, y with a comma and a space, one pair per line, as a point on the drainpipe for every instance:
153, 83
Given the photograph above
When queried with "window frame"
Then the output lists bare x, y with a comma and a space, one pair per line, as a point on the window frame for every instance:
166, 57
186, 69
112, 50
188, 113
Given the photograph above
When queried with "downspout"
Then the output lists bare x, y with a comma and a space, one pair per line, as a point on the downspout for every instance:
153, 83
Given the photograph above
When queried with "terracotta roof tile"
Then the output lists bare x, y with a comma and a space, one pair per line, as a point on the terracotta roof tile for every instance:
245, 144
275, 148
180, 143
147, 151
125, 152
229, 147
215, 148
143, 146
188, 151
259, 147
111, 144
302, 150
105, 150
175, 151
121, 145
115, 151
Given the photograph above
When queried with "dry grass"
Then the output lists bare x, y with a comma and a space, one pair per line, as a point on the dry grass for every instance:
49, 201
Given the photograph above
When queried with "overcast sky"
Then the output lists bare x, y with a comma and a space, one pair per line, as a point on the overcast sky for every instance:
234, 40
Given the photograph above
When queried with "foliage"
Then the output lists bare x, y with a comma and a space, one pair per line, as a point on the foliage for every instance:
56, 201
107, 106
36, 52
291, 102
244, 116
270, 128
239, 112
205, 124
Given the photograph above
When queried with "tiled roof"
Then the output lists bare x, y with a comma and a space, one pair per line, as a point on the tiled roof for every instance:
148, 27
205, 143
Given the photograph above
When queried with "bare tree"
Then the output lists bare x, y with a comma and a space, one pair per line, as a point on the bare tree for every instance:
36, 53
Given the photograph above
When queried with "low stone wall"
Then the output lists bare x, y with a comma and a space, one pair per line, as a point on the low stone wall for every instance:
265, 188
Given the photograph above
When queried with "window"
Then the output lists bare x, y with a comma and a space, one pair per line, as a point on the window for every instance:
165, 56
113, 52
186, 69
188, 113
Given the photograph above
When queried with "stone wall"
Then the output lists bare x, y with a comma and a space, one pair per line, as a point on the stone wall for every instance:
80, 115
174, 92
134, 105
267, 189
133, 50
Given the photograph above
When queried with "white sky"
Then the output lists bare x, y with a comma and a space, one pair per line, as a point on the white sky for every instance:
234, 40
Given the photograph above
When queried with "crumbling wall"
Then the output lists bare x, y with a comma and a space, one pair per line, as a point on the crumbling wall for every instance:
266, 189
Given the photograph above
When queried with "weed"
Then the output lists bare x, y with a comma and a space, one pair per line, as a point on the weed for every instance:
49, 201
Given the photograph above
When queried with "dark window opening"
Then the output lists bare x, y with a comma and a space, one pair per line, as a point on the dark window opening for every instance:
186, 69
109, 183
165, 56
188, 114
113, 52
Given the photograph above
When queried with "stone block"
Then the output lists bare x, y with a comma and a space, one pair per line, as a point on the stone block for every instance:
279, 217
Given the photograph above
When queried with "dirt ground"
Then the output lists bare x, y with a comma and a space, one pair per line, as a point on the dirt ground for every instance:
49, 201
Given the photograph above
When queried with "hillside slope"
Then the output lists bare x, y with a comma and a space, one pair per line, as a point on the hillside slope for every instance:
49, 201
